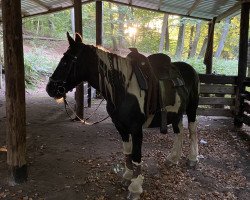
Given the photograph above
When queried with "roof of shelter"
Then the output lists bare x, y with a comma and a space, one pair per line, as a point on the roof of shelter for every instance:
201, 9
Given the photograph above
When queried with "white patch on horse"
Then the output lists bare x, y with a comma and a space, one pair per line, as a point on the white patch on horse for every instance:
126, 69
176, 106
136, 185
176, 151
128, 174
193, 155
136, 163
135, 90
127, 146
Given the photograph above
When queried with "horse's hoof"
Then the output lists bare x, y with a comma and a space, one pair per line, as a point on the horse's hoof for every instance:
133, 196
192, 164
126, 182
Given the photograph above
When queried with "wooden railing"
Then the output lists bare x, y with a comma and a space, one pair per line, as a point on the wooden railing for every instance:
246, 98
217, 95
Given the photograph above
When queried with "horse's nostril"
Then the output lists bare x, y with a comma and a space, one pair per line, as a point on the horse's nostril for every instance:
61, 90
50, 89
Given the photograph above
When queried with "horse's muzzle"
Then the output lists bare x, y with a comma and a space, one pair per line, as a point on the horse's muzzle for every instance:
55, 90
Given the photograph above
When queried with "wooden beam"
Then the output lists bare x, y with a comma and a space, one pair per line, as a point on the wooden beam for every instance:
15, 90
41, 4
217, 89
79, 95
242, 64
230, 12
217, 79
215, 112
193, 7
99, 22
159, 4
216, 101
208, 59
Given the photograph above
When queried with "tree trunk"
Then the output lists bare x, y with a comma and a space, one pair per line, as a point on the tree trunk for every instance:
167, 40
180, 42
203, 48
112, 28
223, 38
191, 40
121, 17
163, 32
196, 39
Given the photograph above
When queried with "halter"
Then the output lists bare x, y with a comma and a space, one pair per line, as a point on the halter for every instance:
60, 84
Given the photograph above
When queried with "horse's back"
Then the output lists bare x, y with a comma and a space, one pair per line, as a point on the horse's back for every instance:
188, 74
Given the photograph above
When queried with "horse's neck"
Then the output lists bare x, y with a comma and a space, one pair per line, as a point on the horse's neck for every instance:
92, 58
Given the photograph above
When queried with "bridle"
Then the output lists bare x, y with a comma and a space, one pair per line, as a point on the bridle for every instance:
61, 90
60, 84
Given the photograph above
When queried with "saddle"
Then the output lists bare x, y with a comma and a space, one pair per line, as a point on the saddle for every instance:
165, 78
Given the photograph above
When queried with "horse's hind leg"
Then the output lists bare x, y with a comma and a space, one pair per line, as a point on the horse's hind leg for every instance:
176, 151
192, 126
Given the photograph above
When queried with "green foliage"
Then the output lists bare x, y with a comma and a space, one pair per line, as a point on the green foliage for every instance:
220, 66
117, 20
36, 64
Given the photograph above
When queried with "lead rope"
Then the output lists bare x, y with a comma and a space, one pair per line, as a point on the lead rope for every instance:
83, 120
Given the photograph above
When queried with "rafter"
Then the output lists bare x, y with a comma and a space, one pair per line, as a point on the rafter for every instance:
41, 4
193, 7
231, 11
159, 4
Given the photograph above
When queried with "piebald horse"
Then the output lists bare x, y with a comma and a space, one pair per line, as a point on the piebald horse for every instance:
126, 102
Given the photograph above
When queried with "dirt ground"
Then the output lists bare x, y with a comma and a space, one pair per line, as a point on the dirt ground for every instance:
71, 161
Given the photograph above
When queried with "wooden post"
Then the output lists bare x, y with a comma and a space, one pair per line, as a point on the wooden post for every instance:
208, 59
99, 27
99, 32
15, 90
242, 64
79, 95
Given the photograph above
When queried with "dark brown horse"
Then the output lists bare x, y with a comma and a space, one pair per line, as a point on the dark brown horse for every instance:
127, 103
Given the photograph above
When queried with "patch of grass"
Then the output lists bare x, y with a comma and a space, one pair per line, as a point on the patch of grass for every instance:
36, 64
220, 66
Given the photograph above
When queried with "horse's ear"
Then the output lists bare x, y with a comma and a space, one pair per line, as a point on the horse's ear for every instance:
70, 39
78, 38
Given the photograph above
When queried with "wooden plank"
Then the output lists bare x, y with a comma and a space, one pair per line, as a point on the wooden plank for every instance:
217, 89
217, 79
214, 112
230, 12
247, 107
245, 95
15, 90
193, 7
216, 101
246, 120
79, 95
39, 3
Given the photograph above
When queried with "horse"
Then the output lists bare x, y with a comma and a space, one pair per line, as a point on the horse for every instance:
127, 103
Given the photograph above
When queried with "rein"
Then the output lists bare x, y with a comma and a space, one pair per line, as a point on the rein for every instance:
83, 120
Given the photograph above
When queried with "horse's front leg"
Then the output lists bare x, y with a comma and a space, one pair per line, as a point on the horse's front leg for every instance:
135, 188
127, 151
176, 151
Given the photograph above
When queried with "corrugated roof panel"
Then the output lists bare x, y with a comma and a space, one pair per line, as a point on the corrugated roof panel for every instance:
145, 4
206, 9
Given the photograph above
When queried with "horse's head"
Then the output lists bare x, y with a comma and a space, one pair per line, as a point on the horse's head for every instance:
69, 72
